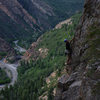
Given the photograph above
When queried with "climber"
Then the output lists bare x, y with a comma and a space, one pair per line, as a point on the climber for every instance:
68, 51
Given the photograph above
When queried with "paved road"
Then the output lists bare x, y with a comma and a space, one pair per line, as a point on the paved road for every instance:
13, 69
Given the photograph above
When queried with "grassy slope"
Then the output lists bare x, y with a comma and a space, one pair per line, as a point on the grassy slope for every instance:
32, 75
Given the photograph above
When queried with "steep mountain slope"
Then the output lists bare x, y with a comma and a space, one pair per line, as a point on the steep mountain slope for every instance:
16, 23
83, 82
50, 12
65, 8
44, 57
32, 53
5, 49
25, 20
40, 10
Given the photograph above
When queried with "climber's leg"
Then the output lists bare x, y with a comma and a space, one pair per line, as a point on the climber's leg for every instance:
69, 59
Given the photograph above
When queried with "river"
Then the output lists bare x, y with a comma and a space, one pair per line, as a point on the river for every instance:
18, 48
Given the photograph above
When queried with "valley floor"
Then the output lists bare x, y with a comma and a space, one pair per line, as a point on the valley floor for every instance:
11, 70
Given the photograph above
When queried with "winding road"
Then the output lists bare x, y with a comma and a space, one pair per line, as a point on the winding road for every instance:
12, 69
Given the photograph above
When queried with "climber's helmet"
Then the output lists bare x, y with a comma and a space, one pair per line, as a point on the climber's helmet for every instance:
65, 40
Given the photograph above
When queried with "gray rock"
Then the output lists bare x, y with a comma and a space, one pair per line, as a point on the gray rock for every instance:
84, 78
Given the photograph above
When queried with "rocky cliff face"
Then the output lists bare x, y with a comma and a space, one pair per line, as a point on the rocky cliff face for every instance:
31, 53
83, 82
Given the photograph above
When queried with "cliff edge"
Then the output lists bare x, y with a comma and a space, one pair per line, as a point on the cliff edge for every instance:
83, 82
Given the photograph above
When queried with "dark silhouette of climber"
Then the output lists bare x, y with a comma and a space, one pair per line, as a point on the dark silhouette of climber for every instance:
68, 51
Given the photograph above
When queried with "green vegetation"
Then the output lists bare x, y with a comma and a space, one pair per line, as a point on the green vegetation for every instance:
2, 54
4, 79
11, 31
65, 8
32, 75
62, 9
96, 89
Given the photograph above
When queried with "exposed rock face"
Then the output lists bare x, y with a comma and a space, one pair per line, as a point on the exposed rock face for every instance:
68, 22
83, 82
31, 53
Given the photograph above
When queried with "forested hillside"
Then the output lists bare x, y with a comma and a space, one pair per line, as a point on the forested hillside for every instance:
4, 77
65, 8
32, 83
26, 20
5, 49
42, 64
17, 24
50, 12
10, 31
